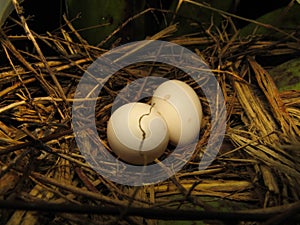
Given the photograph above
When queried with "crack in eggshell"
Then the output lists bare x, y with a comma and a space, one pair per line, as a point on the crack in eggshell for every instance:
143, 132
137, 133
140, 126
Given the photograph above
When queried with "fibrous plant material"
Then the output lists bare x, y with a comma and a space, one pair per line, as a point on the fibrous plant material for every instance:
40, 162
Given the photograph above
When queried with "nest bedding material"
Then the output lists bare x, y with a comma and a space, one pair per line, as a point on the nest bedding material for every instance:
256, 168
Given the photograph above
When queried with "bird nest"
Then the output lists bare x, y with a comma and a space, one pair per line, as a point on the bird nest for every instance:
45, 179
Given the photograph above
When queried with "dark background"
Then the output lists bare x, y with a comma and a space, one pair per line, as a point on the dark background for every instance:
47, 13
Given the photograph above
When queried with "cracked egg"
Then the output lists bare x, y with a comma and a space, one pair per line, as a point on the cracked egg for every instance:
137, 133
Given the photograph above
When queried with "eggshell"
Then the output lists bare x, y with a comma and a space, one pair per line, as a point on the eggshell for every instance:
180, 106
137, 133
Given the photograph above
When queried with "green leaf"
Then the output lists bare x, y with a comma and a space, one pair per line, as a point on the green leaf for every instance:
192, 17
287, 19
6, 7
102, 17
287, 75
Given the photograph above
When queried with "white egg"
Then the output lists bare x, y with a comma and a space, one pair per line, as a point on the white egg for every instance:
180, 106
137, 133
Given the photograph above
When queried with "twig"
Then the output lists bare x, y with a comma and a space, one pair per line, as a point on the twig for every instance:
42, 57
149, 213
287, 214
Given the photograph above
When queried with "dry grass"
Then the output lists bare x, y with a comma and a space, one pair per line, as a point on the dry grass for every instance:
257, 166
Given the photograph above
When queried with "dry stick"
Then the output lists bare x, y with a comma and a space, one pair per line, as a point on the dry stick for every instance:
254, 141
37, 99
49, 189
73, 30
65, 41
22, 82
149, 213
122, 26
267, 85
78, 191
32, 143
6, 42
288, 214
13, 87
17, 73
131, 200
124, 211
85, 180
5, 169
42, 57
139, 46
17, 54
82, 41
182, 189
